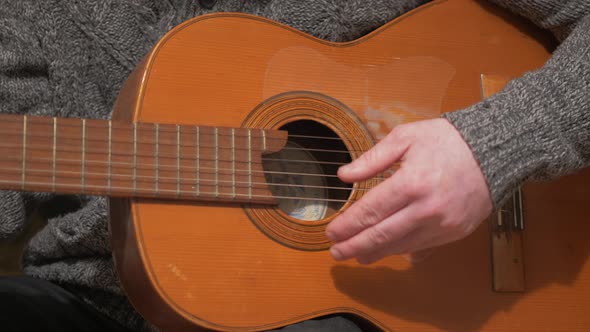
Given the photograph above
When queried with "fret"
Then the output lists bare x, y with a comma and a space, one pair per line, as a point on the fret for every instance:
233, 162
96, 157
24, 153
54, 154
82, 167
110, 157
216, 134
198, 162
263, 140
134, 158
249, 163
157, 159
177, 160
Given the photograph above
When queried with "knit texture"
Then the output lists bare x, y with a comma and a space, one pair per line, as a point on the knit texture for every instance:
538, 126
70, 58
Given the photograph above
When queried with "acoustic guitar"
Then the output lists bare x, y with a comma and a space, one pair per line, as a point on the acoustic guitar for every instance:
220, 163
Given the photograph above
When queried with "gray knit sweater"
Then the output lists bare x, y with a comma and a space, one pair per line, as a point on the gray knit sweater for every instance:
70, 58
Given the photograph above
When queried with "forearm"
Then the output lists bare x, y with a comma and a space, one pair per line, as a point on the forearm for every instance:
539, 125
558, 16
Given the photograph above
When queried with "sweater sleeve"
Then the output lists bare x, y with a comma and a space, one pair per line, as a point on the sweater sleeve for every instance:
538, 126
23, 89
558, 16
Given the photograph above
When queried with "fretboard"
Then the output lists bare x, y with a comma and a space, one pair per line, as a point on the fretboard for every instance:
99, 157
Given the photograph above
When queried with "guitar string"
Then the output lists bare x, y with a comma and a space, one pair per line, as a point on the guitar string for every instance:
64, 147
316, 137
162, 156
174, 144
174, 192
149, 140
173, 180
161, 168
162, 127
170, 168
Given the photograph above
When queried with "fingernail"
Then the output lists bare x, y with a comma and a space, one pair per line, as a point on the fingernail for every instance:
336, 253
346, 168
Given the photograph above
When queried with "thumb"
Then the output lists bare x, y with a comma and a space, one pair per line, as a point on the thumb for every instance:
376, 160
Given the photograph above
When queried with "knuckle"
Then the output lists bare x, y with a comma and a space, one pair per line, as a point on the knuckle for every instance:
378, 236
414, 183
435, 209
372, 156
399, 251
367, 216
415, 189
421, 182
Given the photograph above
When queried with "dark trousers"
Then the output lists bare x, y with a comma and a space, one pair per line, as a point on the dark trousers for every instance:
29, 304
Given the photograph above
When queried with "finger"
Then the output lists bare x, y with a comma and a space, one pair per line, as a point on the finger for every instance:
419, 256
376, 238
376, 160
389, 250
379, 203
413, 257
420, 242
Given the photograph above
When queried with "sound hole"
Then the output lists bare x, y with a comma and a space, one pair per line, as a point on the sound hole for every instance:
303, 176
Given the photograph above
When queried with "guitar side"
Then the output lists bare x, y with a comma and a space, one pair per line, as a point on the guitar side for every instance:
185, 265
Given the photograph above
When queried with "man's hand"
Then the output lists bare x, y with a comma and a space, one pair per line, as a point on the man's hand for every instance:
438, 195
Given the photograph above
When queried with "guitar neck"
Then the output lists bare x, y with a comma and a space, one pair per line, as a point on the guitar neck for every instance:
100, 157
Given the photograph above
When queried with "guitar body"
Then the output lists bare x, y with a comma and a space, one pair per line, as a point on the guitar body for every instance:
236, 267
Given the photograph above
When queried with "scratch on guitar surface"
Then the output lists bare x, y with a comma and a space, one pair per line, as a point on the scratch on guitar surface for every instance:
176, 271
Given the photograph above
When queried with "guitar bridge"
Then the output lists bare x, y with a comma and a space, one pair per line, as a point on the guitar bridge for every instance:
506, 227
